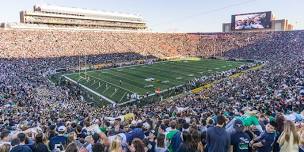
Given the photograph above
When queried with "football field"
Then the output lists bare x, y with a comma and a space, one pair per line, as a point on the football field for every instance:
116, 85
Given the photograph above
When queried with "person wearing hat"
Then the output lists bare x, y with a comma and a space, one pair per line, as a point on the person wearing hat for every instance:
59, 141
162, 129
52, 131
150, 140
239, 139
249, 118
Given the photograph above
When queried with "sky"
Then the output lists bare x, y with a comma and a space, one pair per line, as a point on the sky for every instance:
173, 15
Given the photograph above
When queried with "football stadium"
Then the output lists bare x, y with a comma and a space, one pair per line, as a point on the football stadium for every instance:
74, 79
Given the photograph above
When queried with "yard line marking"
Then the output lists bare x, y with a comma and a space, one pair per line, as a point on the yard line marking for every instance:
122, 96
127, 79
174, 71
106, 89
94, 92
100, 85
113, 93
93, 83
160, 74
111, 83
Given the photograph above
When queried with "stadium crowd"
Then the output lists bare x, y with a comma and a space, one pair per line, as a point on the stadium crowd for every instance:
78, 23
20, 43
262, 110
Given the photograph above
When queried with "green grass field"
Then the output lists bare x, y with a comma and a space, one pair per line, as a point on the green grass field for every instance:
116, 83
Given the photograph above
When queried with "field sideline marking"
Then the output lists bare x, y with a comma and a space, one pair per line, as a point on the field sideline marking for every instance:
96, 93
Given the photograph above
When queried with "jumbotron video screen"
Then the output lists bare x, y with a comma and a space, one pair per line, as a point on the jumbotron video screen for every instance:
251, 21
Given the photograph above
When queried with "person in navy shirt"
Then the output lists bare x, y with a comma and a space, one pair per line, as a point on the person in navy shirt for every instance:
264, 142
218, 138
239, 139
59, 141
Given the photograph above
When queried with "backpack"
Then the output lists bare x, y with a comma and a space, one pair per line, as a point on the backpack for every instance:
176, 141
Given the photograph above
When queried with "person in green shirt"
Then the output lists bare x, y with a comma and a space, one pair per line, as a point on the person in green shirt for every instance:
248, 119
170, 135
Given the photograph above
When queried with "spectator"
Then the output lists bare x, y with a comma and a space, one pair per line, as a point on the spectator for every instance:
173, 137
39, 145
239, 139
72, 137
116, 145
59, 141
160, 143
289, 139
280, 119
137, 146
98, 147
217, 137
162, 129
265, 141
301, 146
16, 147
5, 137
187, 143
23, 139
5, 148
72, 147
89, 142
197, 141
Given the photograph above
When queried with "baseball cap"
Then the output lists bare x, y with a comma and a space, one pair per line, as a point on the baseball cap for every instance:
163, 127
61, 128
238, 125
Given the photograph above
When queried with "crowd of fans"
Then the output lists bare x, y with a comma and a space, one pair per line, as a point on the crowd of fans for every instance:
80, 23
262, 110
20, 43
